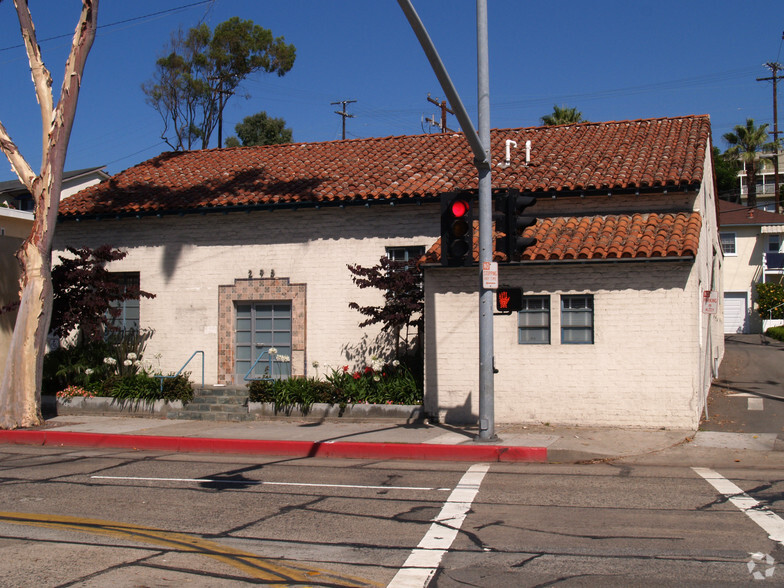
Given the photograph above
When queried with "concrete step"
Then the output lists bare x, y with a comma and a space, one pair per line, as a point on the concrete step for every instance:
210, 416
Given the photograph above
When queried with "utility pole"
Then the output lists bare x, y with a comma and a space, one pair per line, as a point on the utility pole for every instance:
343, 113
479, 141
444, 109
775, 67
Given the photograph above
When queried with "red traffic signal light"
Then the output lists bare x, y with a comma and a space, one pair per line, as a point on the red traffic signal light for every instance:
456, 229
509, 299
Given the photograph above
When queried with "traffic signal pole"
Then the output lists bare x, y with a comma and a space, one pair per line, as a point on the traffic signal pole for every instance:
486, 376
480, 146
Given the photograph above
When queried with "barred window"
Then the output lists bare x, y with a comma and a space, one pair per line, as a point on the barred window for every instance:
577, 319
533, 321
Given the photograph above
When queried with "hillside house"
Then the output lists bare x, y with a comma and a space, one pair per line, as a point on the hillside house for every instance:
753, 245
247, 247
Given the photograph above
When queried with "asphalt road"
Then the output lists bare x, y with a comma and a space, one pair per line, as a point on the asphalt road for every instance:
748, 396
113, 518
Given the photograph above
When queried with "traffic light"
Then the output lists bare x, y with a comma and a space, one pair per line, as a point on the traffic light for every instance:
457, 238
510, 219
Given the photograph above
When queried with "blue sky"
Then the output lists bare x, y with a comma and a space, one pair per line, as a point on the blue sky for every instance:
612, 60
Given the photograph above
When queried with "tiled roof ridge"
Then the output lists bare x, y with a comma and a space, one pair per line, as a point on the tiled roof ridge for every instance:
611, 236
433, 136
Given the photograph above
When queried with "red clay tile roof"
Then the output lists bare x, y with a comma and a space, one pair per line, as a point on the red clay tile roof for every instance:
737, 214
642, 154
614, 236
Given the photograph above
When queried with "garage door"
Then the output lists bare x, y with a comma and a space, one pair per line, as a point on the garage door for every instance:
735, 312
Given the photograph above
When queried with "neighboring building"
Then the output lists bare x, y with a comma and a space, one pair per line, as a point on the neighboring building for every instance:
15, 226
16, 220
14, 195
753, 245
248, 247
766, 182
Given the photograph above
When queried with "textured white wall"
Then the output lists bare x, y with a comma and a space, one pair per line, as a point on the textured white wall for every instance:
183, 260
639, 372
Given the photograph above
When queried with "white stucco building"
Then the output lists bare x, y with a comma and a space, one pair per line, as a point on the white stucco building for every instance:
248, 247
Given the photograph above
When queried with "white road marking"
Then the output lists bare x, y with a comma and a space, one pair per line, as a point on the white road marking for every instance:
755, 404
262, 483
770, 522
422, 563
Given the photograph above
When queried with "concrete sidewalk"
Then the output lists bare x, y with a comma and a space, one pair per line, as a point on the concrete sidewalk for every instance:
362, 440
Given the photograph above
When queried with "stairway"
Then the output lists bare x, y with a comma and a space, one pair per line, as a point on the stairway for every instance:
216, 404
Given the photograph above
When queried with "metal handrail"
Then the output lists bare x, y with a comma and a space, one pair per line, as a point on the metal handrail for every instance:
162, 377
770, 310
271, 377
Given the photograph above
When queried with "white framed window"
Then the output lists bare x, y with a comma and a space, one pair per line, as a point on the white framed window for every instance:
405, 254
728, 243
577, 319
533, 321
774, 243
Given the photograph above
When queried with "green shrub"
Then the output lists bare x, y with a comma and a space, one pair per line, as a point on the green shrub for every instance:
770, 297
112, 367
78, 366
776, 333
379, 384
301, 392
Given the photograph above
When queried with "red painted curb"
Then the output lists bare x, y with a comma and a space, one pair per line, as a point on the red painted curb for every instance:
352, 450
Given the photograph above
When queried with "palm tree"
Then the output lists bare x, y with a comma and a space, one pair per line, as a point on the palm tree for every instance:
562, 115
745, 144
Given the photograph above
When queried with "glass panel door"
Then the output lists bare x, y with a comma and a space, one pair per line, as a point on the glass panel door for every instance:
262, 326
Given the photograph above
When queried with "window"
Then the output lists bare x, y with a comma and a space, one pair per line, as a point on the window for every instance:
259, 327
577, 319
533, 321
405, 254
774, 243
728, 243
128, 319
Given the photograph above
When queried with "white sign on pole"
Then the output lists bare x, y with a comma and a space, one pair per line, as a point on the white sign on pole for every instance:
710, 302
490, 275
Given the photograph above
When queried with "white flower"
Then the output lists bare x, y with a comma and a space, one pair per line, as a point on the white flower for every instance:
376, 379
283, 358
131, 356
127, 363
395, 363
109, 361
88, 371
272, 351
137, 363
315, 364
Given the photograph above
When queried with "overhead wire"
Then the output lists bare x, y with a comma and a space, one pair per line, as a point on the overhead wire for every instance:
117, 23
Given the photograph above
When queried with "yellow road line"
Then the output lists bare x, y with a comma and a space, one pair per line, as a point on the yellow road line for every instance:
250, 563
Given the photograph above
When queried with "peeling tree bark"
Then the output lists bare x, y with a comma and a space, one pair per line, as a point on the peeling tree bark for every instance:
20, 388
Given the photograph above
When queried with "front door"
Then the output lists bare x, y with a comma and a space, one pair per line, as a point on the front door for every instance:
262, 326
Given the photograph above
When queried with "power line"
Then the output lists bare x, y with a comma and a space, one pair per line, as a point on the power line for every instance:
117, 23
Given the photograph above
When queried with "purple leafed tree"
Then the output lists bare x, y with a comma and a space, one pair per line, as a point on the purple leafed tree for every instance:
401, 284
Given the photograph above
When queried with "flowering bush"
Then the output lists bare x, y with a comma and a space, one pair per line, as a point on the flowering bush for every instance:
113, 368
376, 383
770, 297
73, 391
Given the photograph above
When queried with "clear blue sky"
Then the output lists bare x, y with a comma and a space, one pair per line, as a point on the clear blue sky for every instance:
612, 60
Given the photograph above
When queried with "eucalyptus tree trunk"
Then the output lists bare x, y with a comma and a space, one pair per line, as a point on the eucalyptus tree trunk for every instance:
20, 388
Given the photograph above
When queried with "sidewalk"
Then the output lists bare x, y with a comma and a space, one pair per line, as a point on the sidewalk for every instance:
362, 440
